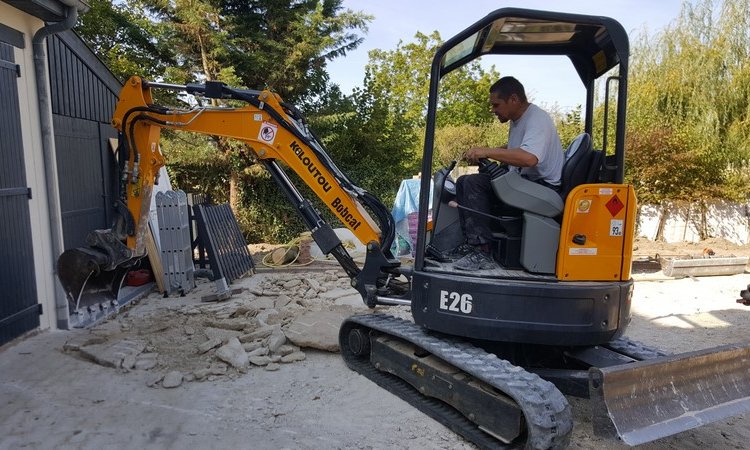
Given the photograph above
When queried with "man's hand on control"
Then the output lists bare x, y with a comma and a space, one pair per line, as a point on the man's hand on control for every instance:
473, 155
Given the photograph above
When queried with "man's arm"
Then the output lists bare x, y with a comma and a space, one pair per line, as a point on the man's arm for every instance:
512, 156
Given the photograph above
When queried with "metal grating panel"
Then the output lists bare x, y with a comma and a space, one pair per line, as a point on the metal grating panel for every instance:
227, 249
174, 239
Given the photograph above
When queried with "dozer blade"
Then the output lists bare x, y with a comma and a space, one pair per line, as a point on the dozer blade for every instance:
648, 400
92, 291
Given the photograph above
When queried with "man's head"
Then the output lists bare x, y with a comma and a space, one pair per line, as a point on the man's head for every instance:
508, 99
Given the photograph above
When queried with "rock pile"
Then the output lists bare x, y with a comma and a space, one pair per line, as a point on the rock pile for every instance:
267, 325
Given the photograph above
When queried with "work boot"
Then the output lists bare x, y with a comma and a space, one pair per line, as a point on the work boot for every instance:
459, 252
476, 260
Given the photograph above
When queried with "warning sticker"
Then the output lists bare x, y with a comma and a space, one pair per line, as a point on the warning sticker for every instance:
583, 251
267, 132
615, 227
583, 206
614, 205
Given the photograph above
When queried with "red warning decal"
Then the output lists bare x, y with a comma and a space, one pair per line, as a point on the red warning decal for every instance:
614, 205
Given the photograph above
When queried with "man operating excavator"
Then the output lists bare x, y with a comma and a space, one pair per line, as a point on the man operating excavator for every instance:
533, 149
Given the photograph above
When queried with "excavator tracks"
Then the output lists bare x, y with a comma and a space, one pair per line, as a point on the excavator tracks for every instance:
547, 416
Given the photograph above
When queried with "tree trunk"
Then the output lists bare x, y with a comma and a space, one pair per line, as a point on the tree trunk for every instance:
234, 191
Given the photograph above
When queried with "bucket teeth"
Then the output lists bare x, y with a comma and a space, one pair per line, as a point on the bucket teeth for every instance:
91, 276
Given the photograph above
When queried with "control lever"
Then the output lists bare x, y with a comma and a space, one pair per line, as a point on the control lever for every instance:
454, 204
492, 168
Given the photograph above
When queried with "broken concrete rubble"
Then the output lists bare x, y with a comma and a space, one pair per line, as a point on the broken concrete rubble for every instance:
292, 357
172, 379
317, 329
260, 360
233, 354
209, 344
266, 325
113, 354
146, 361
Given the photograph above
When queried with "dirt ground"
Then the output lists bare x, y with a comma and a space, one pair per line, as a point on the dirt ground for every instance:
61, 398
643, 248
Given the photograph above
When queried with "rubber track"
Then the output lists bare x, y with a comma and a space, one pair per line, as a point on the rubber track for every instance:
547, 413
635, 349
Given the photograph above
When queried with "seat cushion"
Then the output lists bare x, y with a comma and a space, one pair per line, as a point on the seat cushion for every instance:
518, 192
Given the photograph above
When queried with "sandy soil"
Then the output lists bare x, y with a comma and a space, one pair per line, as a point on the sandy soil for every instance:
643, 248
317, 402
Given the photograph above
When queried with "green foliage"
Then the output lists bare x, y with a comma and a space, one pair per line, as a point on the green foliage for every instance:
125, 39
688, 113
285, 45
195, 164
569, 124
451, 141
403, 76
367, 142
690, 95
661, 165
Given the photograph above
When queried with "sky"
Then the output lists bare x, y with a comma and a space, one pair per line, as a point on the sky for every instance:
548, 80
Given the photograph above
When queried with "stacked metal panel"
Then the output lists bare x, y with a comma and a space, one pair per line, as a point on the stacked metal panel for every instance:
227, 249
174, 237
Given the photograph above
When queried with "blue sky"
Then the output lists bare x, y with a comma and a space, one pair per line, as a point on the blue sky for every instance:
548, 81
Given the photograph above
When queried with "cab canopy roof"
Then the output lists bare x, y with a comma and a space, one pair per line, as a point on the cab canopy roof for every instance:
594, 44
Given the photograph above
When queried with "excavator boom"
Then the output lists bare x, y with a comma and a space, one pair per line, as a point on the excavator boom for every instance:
277, 136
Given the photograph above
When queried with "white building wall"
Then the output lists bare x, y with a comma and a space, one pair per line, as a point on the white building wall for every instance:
726, 220
32, 142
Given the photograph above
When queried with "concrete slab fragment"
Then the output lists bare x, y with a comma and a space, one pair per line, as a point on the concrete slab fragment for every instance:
317, 329
113, 354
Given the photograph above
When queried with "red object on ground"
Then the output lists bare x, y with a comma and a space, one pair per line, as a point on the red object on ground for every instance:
138, 277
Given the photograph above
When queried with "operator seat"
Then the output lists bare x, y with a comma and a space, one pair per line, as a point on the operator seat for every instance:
541, 206
581, 164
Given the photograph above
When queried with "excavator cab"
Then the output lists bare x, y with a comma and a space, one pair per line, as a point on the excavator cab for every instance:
563, 253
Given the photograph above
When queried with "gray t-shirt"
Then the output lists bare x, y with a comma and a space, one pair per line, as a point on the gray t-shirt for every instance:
535, 132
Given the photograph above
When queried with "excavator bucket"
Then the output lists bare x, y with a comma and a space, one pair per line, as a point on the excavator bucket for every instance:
85, 283
647, 400
92, 276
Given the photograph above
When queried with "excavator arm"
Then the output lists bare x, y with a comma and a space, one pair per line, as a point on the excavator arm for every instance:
276, 133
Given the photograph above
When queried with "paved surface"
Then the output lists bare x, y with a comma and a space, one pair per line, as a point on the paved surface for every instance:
54, 400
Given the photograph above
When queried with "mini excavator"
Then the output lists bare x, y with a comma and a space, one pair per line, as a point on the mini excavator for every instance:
489, 353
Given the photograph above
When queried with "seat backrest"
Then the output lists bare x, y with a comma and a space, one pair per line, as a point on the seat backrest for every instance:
576, 169
597, 158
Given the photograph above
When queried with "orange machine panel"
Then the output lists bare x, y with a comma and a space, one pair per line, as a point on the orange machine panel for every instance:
596, 236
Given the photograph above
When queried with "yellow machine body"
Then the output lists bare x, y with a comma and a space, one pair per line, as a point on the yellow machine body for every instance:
596, 235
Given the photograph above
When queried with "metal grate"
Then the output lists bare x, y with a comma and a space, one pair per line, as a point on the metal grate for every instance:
174, 237
197, 245
220, 234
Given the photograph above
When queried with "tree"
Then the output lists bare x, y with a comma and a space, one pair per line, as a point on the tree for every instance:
125, 39
258, 44
285, 44
403, 75
690, 102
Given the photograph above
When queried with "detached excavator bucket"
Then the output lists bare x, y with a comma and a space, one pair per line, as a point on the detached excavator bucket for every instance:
648, 400
92, 290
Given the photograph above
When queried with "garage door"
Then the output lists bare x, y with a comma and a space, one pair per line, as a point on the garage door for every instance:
19, 308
